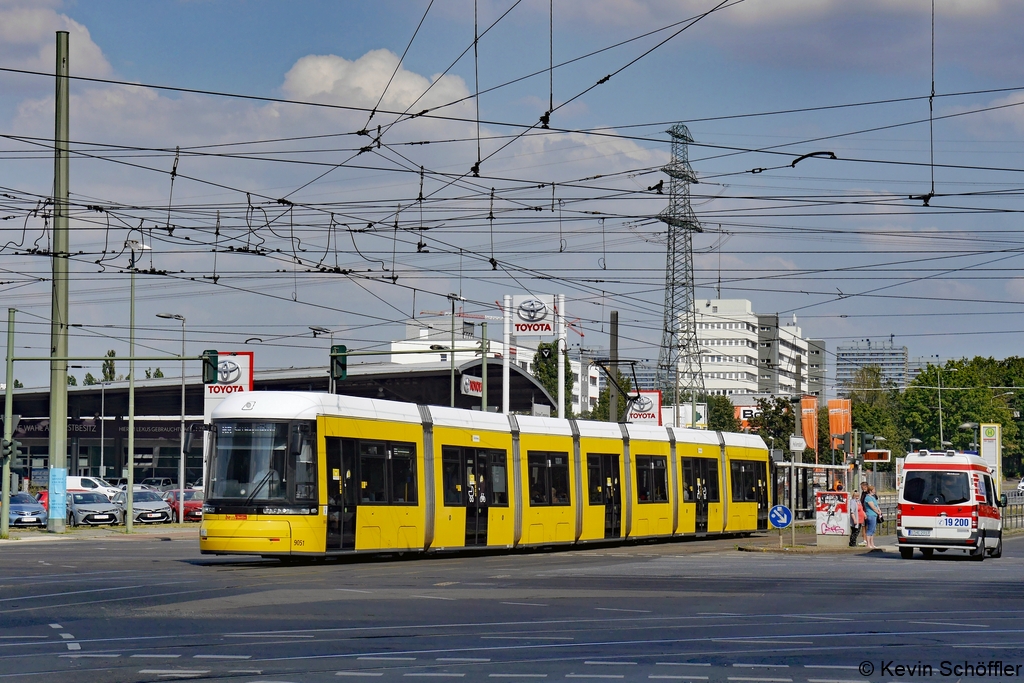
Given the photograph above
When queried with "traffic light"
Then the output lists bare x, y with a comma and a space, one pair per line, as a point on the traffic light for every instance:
339, 362
8, 448
847, 442
209, 367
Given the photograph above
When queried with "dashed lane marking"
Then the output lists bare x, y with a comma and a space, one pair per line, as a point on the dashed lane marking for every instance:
58, 626
518, 676
598, 662
463, 659
525, 604
760, 680
155, 656
830, 666
594, 676
89, 656
358, 673
387, 659
682, 664
437, 674
221, 656
762, 666
830, 680
619, 609
430, 597
679, 678
74, 646
947, 623
67, 636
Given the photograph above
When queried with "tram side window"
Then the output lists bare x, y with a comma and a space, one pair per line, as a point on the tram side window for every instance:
403, 474
688, 494
499, 478
651, 479
549, 478
595, 481
451, 473
387, 472
713, 496
744, 481
373, 472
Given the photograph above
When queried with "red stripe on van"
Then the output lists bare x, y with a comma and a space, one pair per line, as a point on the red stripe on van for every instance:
951, 467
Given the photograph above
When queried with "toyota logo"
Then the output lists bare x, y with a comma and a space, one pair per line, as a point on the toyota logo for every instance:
228, 371
644, 404
533, 310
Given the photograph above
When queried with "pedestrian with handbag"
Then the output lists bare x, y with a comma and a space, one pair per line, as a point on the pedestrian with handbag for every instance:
856, 519
872, 513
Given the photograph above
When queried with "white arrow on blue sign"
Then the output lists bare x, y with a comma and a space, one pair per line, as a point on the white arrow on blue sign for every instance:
780, 516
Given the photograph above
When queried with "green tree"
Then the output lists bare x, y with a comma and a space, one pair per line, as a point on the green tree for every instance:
546, 372
876, 407
89, 380
72, 382
775, 423
722, 414
158, 373
109, 373
18, 385
600, 411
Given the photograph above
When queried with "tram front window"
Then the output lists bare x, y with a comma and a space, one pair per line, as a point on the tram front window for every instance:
263, 461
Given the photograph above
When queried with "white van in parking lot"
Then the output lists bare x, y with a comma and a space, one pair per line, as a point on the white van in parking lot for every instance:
947, 501
91, 484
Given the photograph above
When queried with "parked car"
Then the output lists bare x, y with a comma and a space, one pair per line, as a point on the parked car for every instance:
193, 504
118, 483
92, 484
26, 511
159, 483
92, 508
147, 507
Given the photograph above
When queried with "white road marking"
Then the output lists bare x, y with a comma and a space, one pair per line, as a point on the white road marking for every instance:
755, 641
463, 659
810, 616
680, 678
67, 636
518, 676
829, 666
352, 590
681, 664
61, 595
430, 597
155, 656
525, 604
266, 635
761, 680
56, 626
358, 673
947, 623
594, 676
221, 656
617, 609
611, 663
434, 675
248, 671
830, 680
74, 646
80, 656
24, 637
527, 638
766, 666
175, 672
387, 659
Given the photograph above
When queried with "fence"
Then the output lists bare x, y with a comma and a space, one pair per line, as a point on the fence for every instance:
1013, 513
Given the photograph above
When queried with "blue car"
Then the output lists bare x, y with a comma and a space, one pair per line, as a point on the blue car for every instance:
26, 511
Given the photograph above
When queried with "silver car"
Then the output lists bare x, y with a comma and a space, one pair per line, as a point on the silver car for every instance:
92, 508
147, 507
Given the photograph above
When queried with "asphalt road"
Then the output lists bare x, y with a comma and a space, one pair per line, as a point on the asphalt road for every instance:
145, 609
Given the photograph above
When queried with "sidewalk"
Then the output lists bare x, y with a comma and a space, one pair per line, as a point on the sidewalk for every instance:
105, 533
806, 543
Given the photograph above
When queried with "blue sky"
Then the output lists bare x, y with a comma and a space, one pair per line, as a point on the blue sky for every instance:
950, 272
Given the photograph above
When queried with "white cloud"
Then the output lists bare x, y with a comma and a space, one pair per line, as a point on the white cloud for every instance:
28, 40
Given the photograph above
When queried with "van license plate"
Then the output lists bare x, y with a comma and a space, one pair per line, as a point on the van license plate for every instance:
918, 532
959, 522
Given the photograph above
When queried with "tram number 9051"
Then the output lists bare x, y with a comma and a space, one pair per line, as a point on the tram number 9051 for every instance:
298, 541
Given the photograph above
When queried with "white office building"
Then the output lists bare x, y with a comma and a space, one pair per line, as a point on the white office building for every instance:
727, 334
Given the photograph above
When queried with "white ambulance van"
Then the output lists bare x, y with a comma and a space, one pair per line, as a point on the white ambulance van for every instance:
947, 501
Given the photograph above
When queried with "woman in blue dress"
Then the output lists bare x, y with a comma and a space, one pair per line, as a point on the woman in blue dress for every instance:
872, 513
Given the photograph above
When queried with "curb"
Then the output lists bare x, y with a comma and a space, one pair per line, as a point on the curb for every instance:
815, 550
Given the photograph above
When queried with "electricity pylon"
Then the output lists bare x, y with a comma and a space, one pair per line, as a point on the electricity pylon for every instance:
679, 371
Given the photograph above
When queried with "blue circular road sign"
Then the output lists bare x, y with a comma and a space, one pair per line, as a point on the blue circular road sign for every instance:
780, 516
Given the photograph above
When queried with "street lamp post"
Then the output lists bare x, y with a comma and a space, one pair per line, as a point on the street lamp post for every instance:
136, 247
972, 426
453, 297
181, 458
103, 424
913, 442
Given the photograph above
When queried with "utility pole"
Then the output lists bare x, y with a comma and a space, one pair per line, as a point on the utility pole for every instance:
483, 365
613, 348
560, 348
679, 345
5, 500
58, 449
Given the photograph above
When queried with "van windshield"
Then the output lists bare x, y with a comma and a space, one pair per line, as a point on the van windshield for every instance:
930, 487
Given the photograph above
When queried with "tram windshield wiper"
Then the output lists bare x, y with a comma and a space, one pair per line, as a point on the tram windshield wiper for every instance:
263, 481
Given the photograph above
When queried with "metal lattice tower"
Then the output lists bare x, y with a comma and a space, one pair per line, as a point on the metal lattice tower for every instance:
680, 352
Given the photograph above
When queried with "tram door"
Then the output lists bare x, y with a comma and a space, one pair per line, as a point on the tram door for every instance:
696, 475
612, 496
761, 474
341, 495
476, 496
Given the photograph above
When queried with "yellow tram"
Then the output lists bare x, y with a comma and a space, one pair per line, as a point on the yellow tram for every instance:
321, 474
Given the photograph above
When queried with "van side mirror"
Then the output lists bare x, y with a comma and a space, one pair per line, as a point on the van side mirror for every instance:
1002, 500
